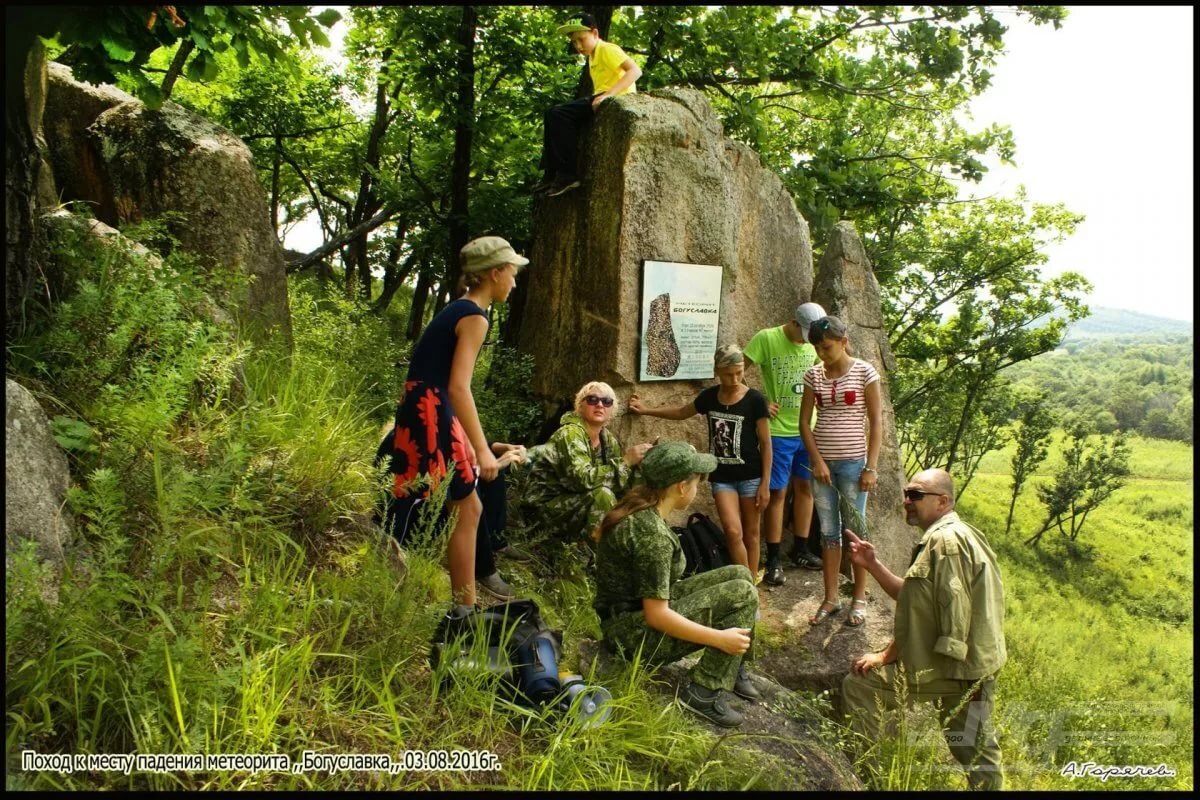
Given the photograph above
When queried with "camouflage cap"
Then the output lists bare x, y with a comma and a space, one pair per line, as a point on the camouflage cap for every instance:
728, 355
671, 462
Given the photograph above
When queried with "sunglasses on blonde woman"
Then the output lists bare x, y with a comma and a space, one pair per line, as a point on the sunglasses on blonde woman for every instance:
595, 400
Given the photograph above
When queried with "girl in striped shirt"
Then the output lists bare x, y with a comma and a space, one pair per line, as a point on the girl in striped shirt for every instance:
845, 391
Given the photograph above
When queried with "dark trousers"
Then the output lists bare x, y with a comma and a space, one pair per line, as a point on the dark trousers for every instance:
402, 513
560, 137
492, 523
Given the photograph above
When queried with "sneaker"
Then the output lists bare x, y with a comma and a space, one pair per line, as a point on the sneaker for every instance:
758, 576
495, 586
514, 553
805, 559
774, 576
743, 686
564, 186
710, 704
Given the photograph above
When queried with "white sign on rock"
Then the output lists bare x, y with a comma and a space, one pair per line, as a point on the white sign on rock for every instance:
681, 305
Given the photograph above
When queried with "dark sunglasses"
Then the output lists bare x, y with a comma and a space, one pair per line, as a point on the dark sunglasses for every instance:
916, 494
593, 400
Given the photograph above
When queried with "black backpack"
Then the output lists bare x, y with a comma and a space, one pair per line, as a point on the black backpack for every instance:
703, 545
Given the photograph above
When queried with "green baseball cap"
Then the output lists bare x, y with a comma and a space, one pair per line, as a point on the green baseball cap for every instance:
586, 23
671, 462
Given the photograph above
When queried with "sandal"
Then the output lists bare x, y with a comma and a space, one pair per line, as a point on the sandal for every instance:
824, 613
858, 613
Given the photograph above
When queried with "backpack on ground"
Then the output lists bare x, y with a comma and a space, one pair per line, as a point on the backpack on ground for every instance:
703, 545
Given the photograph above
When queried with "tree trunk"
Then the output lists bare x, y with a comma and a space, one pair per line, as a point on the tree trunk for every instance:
173, 72
952, 453
276, 165
365, 204
21, 163
464, 128
416, 314
361, 230
1011, 507
364, 269
394, 274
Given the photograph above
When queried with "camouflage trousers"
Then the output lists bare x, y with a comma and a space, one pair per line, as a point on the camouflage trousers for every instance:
721, 598
571, 517
964, 708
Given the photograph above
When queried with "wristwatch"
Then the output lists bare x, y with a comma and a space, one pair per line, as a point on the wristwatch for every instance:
867, 469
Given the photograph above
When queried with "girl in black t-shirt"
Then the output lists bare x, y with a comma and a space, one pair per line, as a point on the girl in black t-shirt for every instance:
739, 437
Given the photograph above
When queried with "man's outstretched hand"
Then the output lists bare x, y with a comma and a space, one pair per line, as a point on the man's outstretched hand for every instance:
862, 553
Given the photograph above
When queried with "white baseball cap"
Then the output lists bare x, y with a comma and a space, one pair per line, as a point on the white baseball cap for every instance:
806, 315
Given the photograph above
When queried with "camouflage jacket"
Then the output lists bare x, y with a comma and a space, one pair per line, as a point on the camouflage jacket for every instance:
641, 557
567, 464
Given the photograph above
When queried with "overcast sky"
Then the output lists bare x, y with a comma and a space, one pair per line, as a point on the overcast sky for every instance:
1102, 115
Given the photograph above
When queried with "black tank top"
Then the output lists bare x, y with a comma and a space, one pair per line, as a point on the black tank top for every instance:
434, 353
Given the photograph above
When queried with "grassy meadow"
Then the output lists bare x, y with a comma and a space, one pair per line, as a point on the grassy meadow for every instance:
1099, 631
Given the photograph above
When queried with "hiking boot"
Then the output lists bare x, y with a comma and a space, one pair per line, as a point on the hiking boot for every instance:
743, 686
495, 586
805, 559
774, 576
515, 553
562, 186
710, 704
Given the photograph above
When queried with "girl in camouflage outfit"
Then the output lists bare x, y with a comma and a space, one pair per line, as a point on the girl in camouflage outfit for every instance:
644, 606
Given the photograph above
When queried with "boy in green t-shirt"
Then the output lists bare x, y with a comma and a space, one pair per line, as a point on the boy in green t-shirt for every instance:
784, 355
612, 73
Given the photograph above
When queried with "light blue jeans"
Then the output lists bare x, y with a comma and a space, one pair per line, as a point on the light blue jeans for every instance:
844, 475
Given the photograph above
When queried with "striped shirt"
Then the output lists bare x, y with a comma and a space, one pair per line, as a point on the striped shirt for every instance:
841, 418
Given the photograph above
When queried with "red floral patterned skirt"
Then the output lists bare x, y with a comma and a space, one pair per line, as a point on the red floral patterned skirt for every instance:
429, 439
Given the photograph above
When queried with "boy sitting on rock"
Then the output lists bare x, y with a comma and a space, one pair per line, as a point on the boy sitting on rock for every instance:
612, 73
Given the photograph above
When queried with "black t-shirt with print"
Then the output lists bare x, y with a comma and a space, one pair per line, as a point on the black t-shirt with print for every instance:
733, 434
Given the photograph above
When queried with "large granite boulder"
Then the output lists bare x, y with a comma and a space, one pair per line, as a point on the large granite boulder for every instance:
661, 183
130, 163
35, 480
846, 288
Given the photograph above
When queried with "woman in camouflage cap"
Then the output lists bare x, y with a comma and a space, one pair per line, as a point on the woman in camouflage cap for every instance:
642, 603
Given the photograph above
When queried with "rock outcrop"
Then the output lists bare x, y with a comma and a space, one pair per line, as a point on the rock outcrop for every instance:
130, 163
35, 480
847, 289
781, 728
661, 183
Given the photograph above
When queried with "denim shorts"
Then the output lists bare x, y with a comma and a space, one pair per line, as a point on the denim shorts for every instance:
743, 488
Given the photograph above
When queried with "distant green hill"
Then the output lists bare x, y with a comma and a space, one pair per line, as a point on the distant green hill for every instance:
1119, 322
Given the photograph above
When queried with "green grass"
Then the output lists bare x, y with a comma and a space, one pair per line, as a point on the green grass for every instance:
1100, 631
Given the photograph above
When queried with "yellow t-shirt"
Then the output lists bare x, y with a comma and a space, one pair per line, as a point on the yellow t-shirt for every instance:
605, 66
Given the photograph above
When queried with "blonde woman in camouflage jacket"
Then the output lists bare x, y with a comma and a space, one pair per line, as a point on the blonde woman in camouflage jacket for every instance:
576, 477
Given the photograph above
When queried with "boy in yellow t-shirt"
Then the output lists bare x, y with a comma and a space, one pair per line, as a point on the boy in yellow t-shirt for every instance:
612, 73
